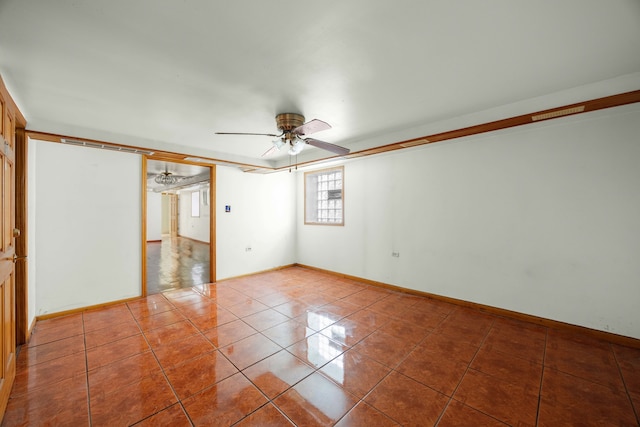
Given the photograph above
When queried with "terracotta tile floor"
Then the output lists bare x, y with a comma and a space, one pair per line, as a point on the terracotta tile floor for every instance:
306, 348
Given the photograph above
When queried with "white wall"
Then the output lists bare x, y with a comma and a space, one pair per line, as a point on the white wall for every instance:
197, 228
541, 219
154, 216
262, 217
86, 224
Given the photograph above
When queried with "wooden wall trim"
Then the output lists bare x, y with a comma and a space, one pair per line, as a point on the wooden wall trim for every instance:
83, 309
554, 324
282, 267
524, 119
143, 246
521, 120
159, 155
212, 225
31, 327
122, 301
549, 323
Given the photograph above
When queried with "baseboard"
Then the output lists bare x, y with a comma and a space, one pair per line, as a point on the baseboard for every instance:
83, 309
30, 330
555, 324
282, 267
108, 304
192, 239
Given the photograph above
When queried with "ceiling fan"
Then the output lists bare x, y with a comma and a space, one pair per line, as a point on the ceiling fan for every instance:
293, 129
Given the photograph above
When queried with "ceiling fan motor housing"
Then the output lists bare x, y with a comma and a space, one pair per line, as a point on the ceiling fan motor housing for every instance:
288, 121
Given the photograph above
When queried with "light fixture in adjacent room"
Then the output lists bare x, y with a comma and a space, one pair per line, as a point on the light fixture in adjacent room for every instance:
165, 178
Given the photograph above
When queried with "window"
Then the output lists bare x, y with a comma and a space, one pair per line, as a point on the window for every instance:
324, 202
205, 197
195, 204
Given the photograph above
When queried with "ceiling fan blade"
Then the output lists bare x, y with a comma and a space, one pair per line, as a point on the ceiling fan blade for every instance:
243, 133
311, 126
327, 146
270, 151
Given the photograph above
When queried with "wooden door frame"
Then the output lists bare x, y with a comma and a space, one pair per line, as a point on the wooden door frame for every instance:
23, 328
212, 225
143, 247
21, 284
212, 218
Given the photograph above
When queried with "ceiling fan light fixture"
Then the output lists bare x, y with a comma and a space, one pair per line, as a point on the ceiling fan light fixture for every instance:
296, 147
278, 143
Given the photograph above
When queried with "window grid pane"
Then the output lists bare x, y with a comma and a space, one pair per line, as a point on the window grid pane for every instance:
326, 209
324, 203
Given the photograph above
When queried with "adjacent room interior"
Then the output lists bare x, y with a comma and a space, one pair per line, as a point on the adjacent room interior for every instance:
178, 218
324, 214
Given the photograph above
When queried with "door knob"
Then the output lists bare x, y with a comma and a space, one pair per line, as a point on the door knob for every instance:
16, 257
16, 232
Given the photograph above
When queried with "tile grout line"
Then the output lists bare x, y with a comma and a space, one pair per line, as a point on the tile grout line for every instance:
484, 339
314, 369
454, 390
581, 378
485, 343
626, 388
241, 372
544, 357
178, 400
86, 366
269, 401
391, 370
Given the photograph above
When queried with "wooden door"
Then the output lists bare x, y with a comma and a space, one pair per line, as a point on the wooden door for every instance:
7, 252
174, 215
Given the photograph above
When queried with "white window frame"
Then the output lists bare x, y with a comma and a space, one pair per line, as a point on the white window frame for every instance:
324, 206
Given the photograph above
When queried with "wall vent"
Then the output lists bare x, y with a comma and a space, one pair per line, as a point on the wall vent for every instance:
105, 146
558, 113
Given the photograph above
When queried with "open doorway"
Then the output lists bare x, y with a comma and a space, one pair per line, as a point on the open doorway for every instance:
178, 226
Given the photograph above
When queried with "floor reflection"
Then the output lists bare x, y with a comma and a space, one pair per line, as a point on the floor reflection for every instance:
175, 263
320, 349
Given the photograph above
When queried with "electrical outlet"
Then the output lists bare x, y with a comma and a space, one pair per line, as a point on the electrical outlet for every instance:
395, 254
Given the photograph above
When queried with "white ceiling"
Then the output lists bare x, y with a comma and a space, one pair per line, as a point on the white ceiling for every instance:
167, 74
